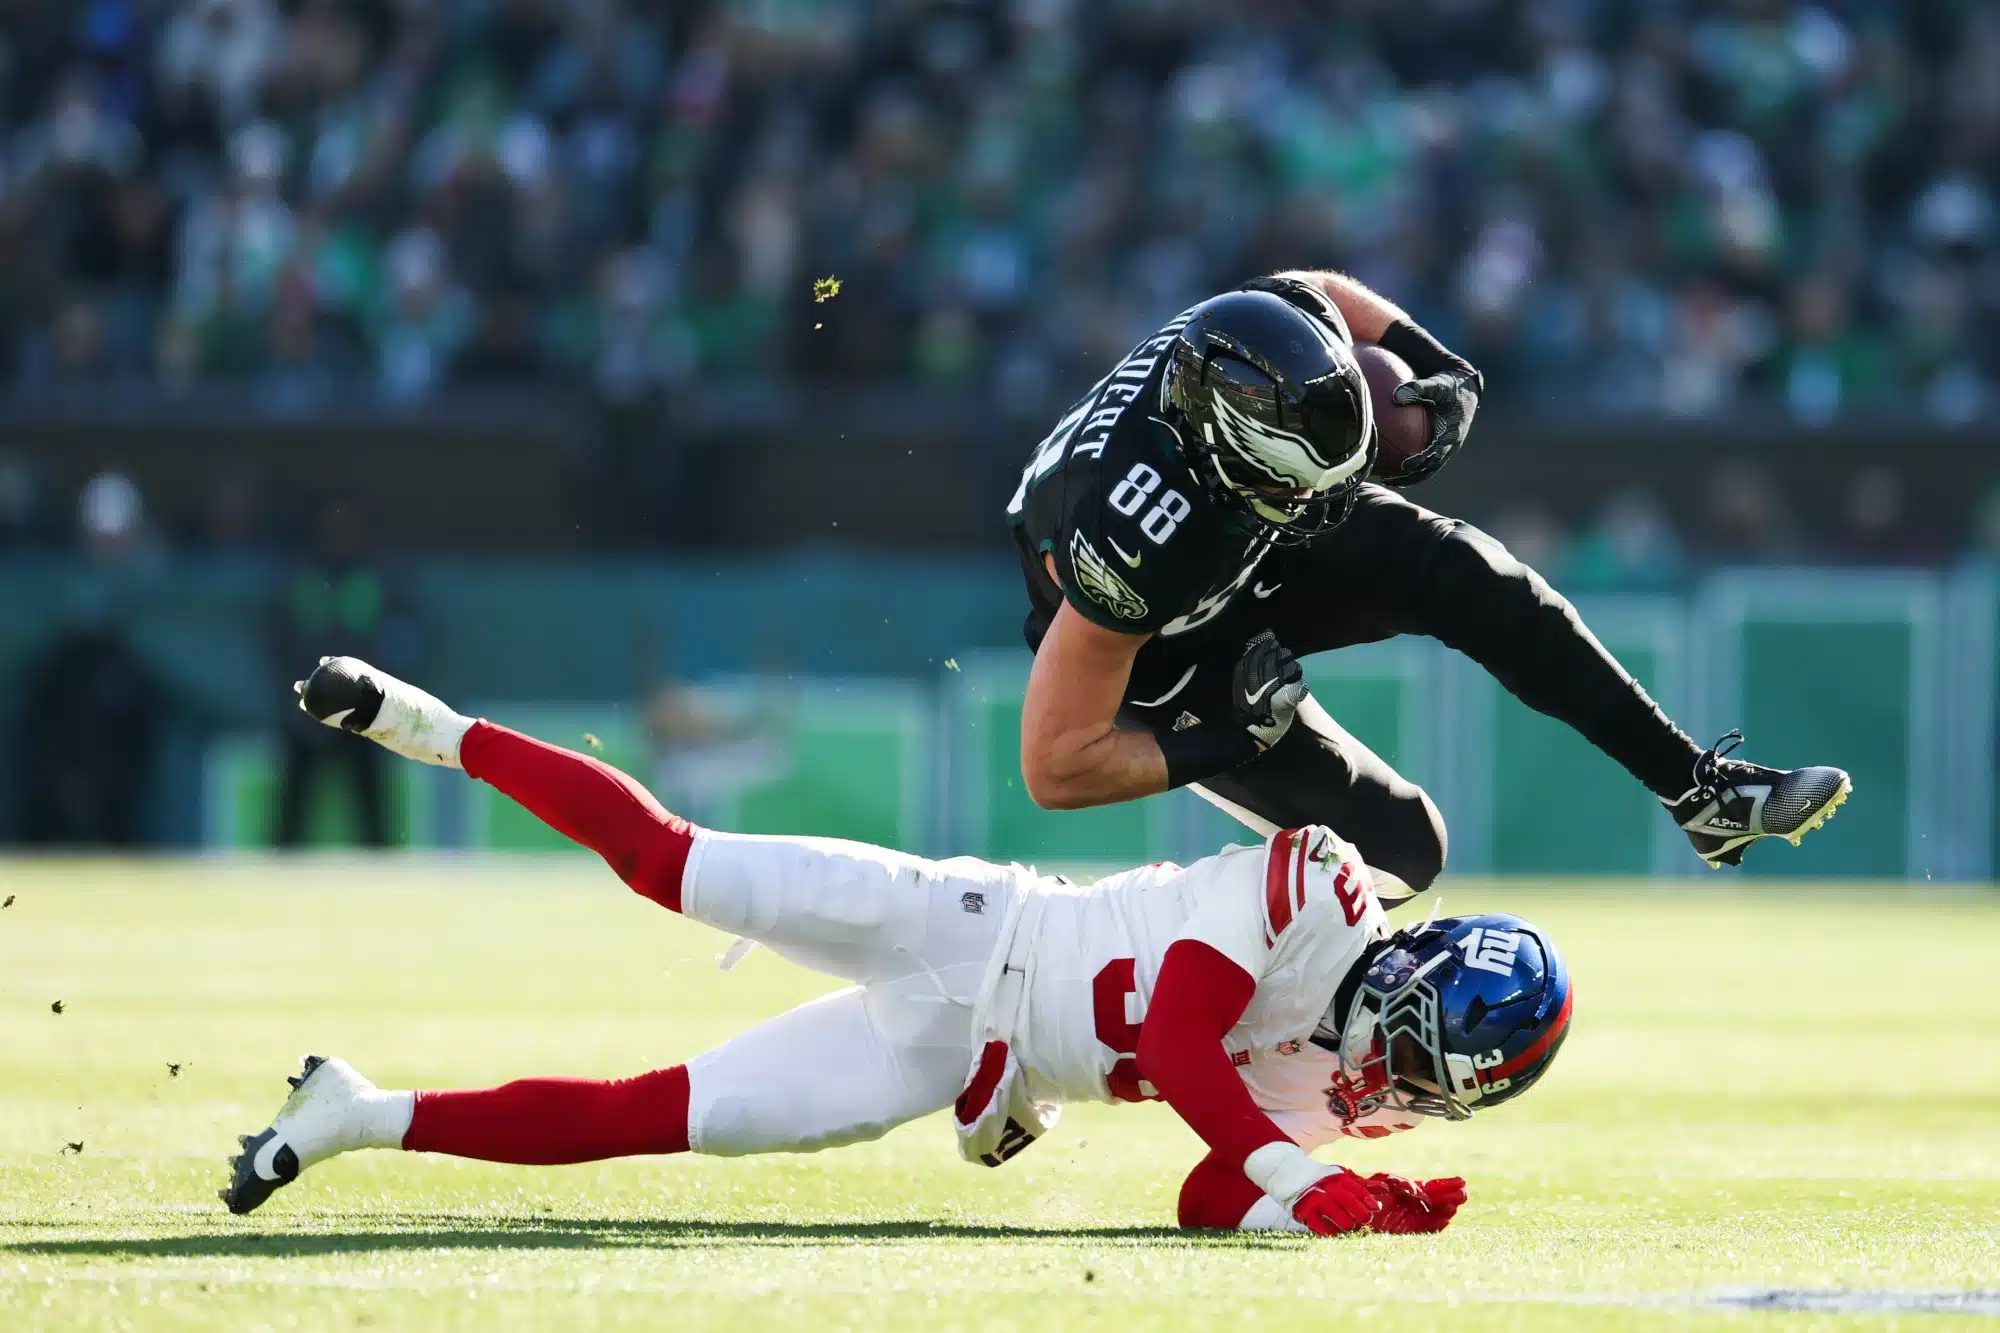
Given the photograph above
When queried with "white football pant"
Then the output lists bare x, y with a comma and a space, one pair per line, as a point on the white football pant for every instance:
913, 935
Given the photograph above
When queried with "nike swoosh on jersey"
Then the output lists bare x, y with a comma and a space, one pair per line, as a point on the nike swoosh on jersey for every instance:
1260, 592
1132, 560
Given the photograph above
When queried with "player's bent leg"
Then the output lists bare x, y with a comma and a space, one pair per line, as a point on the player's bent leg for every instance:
1320, 773
844, 908
590, 803
846, 1068
537, 1122
843, 1069
1476, 597
586, 800
1473, 595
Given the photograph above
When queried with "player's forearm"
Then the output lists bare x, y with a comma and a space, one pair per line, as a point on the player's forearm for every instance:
1200, 996
1368, 315
1099, 766
1073, 753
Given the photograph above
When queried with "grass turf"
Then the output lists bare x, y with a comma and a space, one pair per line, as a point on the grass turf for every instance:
1766, 1089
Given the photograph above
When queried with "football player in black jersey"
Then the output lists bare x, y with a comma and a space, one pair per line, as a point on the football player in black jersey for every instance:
1211, 511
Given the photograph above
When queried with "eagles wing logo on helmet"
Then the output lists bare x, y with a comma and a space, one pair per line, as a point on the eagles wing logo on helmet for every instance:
1098, 579
1286, 458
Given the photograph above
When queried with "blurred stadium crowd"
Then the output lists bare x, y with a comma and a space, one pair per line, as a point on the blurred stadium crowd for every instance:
1647, 207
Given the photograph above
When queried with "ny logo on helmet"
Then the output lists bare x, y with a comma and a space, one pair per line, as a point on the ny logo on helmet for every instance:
1491, 950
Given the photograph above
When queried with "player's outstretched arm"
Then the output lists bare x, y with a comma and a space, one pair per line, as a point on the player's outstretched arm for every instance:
1200, 996
1218, 1197
1255, 1177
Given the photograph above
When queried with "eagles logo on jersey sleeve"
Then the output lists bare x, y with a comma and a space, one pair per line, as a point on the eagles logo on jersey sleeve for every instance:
1097, 580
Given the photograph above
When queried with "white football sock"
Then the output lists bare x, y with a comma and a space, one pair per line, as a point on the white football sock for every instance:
383, 1118
417, 725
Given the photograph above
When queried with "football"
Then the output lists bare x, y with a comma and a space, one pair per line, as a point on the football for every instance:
1405, 431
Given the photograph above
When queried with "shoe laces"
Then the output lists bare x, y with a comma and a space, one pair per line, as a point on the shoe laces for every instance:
1708, 769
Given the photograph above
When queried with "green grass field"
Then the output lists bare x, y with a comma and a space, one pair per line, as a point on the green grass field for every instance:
1768, 1089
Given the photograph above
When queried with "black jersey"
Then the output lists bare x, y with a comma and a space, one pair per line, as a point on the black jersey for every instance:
1139, 545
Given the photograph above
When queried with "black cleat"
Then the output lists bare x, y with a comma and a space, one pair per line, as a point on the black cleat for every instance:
1733, 803
248, 1187
261, 1170
341, 692
315, 1122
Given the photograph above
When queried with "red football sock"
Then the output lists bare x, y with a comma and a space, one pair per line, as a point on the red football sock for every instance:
588, 802
551, 1121
1216, 1195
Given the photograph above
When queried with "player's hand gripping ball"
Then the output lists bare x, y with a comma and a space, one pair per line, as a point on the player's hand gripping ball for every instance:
1420, 422
1403, 430
1415, 1205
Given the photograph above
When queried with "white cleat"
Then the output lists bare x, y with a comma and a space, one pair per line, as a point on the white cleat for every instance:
332, 1109
346, 692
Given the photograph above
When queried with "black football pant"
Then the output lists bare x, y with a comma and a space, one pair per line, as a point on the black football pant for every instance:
1394, 568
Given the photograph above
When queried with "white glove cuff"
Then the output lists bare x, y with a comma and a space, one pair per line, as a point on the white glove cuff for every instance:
1285, 1171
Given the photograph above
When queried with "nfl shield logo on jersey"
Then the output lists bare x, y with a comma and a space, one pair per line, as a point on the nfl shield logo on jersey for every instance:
974, 903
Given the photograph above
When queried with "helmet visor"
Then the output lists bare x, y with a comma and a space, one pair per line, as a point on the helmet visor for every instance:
1278, 504
1394, 1039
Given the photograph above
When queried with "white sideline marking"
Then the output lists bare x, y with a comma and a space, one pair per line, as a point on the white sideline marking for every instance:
1778, 1299
1863, 1302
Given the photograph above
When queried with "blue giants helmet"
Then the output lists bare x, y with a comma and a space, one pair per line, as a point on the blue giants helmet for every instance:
1455, 1015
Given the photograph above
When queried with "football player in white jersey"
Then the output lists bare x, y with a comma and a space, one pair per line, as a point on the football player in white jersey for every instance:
1260, 992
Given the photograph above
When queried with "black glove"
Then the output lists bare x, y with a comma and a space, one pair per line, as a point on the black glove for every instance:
1446, 384
1266, 689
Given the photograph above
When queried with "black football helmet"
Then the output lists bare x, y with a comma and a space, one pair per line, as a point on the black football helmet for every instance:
1274, 410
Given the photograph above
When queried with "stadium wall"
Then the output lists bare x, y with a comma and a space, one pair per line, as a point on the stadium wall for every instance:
879, 698
755, 468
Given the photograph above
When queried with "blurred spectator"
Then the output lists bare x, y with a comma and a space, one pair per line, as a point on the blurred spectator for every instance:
87, 742
1830, 362
90, 716
1680, 208
111, 522
338, 602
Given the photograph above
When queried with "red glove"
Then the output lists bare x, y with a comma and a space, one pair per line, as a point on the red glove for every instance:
1414, 1205
1325, 1200
1337, 1204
